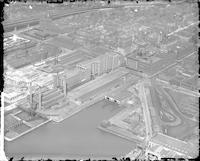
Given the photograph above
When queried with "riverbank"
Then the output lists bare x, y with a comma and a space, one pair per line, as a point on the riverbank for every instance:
73, 138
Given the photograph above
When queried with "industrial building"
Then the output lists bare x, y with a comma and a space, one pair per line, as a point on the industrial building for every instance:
71, 78
99, 50
46, 99
38, 34
150, 65
184, 148
14, 43
71, 59
156, 152
64, 42
11, 96
98, 86
102, 64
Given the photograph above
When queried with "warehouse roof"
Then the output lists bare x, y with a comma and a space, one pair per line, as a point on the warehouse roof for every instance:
175, 144
100, 81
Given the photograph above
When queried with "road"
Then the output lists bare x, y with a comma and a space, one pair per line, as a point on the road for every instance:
182, 90
146, 112
182, 28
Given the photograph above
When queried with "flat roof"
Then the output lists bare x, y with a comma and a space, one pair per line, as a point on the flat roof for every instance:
80, 52
175, 144
64, 42
10, 93
97, 59
100, 81
89, 61
71, 73
100, 50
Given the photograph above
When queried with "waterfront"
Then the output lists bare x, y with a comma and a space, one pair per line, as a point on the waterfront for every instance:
77, 136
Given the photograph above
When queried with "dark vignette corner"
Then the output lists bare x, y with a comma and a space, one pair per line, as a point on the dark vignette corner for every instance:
1, 43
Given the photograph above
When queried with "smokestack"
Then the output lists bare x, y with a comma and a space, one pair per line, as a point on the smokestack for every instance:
40, 98
31, 93
57, 81
65, 86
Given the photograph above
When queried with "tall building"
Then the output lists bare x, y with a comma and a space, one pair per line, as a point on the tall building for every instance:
56, 80
73, 78
109, 61
95, 69
40, 99
102, 64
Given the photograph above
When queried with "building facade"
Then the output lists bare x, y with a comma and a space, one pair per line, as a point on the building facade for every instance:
102, 64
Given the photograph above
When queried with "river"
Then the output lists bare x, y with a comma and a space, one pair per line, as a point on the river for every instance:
75, 137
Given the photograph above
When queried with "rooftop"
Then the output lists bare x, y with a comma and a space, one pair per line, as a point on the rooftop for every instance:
64, 42
100, 81
175, 144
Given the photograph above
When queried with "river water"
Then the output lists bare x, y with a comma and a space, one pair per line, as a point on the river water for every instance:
75, 137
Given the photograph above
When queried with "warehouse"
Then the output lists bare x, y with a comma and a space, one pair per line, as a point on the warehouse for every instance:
100, 85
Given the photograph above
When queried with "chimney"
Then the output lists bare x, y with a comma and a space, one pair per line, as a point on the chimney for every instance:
40, 98
30, 92
65, 86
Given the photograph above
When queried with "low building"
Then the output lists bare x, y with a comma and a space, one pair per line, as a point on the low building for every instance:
11, 96
98, 86
156, 152
21, 44
164, 146
64, 42
38, 34
151, 64
134, 154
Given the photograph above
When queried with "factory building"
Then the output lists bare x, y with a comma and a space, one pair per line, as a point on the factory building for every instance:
70, 79
164, 146
45, 99
95, 69
102, 84
150, 65
102, 64
11, 96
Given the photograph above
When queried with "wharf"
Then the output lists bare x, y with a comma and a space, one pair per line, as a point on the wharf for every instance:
121, 133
